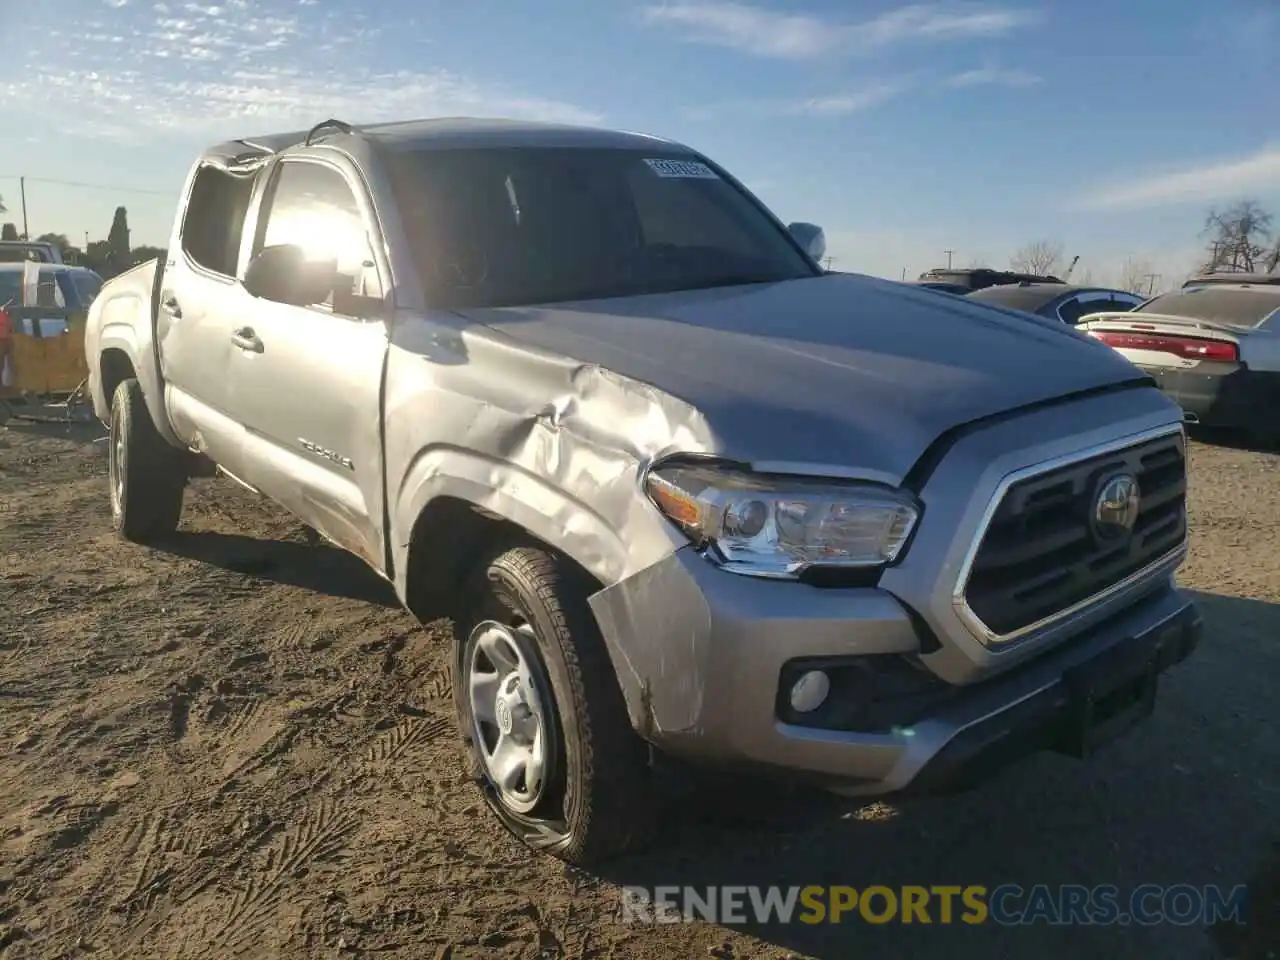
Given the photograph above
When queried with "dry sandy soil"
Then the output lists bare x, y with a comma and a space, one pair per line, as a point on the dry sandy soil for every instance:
240, 746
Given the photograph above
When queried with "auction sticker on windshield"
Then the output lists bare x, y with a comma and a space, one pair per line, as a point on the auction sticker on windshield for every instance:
682, 169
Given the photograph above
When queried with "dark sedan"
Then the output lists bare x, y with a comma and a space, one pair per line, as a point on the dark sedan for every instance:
1058, 301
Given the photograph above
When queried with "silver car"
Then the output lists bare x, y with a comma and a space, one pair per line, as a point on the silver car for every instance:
687, 498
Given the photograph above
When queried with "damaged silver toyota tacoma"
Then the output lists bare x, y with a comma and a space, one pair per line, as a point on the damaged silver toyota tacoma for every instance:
686, 497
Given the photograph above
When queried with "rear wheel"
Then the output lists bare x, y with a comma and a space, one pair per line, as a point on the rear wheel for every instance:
147, 474
545, 727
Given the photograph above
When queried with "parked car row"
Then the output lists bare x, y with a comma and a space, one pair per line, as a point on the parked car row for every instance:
1213, 346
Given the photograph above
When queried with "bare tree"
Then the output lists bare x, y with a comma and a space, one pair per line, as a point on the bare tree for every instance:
976, 263
1136, 276
1240, 238
1039, 258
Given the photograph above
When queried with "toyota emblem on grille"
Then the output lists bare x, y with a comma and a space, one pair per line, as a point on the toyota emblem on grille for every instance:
1115, 508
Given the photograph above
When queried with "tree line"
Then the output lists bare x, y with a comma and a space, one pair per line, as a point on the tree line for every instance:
1238, 238
107, 257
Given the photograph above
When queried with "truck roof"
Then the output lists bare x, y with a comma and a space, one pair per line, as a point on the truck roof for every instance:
451, 133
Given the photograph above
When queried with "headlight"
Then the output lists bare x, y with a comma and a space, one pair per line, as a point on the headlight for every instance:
779, 526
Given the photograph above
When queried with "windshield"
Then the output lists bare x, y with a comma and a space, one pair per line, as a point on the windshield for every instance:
87, 284
1237, 307
508, 227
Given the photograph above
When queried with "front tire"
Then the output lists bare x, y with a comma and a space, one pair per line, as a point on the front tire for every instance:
147, 474
546, 730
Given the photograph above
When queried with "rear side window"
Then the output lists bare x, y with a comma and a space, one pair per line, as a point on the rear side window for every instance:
48, 291
214, 220
10, 287
312, 206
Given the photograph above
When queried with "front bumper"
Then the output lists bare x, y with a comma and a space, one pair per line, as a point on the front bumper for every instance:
1061, 716
705, 658
715, 699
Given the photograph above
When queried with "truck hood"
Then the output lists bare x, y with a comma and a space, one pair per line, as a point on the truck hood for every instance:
839, 370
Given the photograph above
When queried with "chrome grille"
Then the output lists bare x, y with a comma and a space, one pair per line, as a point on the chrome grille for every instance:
1039, 556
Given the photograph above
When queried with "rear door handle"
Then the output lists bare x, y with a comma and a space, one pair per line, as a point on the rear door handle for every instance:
171, 307
246, 339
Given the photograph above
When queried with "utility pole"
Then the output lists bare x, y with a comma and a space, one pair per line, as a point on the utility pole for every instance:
829, 261
22, 189
1151, 279
948, 253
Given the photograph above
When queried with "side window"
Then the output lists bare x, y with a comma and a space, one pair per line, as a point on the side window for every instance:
1071, 309
48, 291
1087, 302
312, 206
213, 223
1124, 301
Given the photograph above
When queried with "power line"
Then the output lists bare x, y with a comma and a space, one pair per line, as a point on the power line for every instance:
91, 186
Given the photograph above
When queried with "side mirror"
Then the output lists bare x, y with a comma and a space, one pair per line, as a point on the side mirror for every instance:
283, 274
811, 238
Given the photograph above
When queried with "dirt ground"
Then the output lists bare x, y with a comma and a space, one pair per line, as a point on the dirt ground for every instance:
240, 746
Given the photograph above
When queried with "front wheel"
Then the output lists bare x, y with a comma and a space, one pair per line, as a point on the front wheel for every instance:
546, 730
146, 473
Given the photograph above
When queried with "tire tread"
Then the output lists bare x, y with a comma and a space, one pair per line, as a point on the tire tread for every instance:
154, 471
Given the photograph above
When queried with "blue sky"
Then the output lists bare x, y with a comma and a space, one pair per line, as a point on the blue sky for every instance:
905, 130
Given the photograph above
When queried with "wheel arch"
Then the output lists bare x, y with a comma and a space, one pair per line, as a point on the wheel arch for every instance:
449, 537
115, 366
452, 499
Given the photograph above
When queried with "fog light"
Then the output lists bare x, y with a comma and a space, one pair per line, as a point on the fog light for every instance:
810, 691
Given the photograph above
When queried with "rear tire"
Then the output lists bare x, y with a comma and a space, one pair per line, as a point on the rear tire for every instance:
146, 473
592, 797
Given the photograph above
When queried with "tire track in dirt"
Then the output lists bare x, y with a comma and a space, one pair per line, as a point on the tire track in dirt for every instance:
405, 737
313, 787
316, 839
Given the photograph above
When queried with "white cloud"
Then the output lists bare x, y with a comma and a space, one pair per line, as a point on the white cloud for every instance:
842, 104
769, 33
1220, 180
993, 76
233, 68
835, 104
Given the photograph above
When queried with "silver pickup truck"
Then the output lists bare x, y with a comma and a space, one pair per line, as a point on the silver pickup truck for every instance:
689, 500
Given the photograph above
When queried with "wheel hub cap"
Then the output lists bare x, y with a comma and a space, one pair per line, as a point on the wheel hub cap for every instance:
507, 709
115, 470
503, 712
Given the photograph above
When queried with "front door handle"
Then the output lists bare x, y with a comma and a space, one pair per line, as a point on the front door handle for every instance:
246, 339
171, 307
